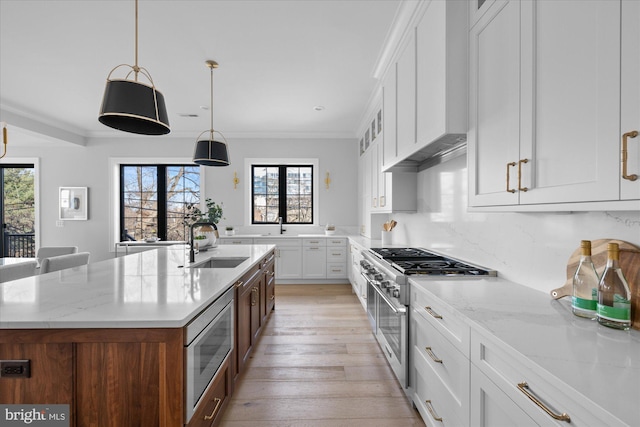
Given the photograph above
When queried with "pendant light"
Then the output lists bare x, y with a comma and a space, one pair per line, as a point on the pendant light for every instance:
133, 106
210, 152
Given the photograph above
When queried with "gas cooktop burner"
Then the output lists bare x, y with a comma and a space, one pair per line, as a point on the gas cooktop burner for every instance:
404, 253
419, 261
439, 268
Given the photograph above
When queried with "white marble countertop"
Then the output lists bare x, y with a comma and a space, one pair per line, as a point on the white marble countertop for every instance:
152, 289
601, 363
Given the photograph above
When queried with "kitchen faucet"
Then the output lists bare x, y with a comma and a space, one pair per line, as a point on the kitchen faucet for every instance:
192, 253
282, 230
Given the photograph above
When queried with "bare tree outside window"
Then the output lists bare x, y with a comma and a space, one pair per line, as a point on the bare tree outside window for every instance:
155, 200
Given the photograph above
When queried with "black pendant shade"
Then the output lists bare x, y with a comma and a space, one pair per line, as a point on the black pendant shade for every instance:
135, 107
210, 152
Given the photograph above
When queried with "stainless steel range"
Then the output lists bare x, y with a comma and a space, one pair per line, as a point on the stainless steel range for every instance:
386, 271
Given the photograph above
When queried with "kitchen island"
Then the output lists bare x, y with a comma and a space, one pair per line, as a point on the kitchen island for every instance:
108, 338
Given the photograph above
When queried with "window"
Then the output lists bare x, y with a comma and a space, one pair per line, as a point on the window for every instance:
282, 191
155, 198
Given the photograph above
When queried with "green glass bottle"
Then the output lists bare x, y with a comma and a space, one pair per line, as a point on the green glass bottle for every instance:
614, 295
585, 285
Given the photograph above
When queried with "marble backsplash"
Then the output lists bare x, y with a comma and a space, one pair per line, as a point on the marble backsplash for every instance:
528, 248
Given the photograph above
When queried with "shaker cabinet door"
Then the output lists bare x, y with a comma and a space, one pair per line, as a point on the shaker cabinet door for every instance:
493, 137
629, 187
570, 101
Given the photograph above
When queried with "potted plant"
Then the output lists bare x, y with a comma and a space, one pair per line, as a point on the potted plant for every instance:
213, 215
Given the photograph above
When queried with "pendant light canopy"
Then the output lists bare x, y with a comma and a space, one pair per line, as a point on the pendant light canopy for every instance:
133, 106
210, 152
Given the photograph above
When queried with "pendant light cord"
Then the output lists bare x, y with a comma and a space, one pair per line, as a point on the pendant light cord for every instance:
135, 66
212, 103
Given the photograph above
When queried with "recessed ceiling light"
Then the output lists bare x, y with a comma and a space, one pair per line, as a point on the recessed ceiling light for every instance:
204, 107
318, 108
188, 115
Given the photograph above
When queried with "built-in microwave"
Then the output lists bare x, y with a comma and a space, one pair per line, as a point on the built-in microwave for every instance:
208, 341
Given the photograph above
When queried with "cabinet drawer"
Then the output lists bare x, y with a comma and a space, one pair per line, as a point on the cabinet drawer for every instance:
236, 241
508, 369
449, 364
437, 406
314, 242
337, 271
441, 316
337, 241
215, 399
336, 254
491, 407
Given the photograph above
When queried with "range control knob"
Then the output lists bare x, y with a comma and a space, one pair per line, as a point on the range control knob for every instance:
396, 292
377, 277
385, 284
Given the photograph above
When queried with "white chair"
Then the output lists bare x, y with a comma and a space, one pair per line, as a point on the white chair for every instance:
61, 262
49, 251
17, 271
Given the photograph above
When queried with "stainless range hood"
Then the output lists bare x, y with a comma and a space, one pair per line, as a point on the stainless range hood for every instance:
445, 148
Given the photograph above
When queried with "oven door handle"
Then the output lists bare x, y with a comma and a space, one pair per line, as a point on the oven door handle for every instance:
398, 311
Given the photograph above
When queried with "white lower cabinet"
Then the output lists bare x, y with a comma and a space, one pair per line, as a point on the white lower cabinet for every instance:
463, 375
358, 284
288, 256
540, 396
440, 375
337, 258
314, 258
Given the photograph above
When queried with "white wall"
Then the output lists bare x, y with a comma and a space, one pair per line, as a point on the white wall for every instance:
528, 248
88, 166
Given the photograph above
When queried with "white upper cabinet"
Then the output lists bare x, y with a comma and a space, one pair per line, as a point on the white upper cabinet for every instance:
630, 189
493, 137
570, 101
545, 103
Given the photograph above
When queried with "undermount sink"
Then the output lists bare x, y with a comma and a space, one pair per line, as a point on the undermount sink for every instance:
221, 262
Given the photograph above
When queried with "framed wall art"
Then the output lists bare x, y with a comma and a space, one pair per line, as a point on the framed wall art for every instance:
73, 203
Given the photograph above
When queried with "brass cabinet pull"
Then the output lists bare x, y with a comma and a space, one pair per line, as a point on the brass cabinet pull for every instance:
432, 313
524, 387
375, 202
273, 297
240, 283
625, 155
254, 290
432, 355
215, 409
510, 190
432, 411
520, 162
383, 201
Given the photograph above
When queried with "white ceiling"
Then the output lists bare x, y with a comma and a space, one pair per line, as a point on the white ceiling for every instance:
278, 59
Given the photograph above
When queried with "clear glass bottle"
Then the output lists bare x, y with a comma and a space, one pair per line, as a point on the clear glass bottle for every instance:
614, 295
585, 285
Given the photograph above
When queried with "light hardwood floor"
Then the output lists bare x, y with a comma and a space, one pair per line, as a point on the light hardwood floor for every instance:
317, 364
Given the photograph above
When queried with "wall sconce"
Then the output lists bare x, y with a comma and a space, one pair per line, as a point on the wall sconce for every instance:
4, 139
236, 181
327, 180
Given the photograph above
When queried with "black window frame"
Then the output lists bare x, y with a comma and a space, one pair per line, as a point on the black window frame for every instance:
282, 195
161, 183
